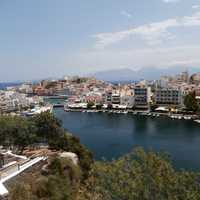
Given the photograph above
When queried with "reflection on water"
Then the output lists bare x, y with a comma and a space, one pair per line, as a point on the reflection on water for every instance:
113, 135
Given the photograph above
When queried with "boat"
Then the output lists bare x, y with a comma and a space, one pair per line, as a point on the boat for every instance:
197, 120
187, 117
58, 105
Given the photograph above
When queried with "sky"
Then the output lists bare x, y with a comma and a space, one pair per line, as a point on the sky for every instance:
48, 38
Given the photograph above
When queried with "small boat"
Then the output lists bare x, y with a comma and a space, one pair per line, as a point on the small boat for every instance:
197, 120
187, 117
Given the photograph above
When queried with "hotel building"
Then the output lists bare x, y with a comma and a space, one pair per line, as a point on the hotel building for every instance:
168, 96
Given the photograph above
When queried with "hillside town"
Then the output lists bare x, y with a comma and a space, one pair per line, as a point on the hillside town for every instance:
165, 94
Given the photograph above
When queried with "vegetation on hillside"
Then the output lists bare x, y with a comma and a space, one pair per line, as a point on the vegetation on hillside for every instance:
191, 103
59, 181
139, 175
17, 133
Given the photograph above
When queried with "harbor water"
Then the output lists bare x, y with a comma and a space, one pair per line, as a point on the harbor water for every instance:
113, 135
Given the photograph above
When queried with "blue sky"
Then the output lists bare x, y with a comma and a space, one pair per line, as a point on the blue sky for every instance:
48, 38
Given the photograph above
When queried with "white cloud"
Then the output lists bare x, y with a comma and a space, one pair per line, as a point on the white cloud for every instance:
190, 62
126, 14
162, 57
153, 33
170, 1
196, 6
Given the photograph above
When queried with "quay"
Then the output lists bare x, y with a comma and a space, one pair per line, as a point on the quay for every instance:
139, 112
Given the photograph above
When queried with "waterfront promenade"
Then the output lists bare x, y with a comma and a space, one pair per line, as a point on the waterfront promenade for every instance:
138, 112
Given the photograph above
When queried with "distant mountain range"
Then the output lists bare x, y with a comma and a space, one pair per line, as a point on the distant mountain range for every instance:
153, 73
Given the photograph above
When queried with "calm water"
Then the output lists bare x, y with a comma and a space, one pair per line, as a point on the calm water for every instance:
112, 135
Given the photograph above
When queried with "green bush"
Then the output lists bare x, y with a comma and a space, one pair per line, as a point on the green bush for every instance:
140, 176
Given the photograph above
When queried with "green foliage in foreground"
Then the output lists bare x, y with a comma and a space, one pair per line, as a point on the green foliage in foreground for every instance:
60, 182
140, 176
17, 133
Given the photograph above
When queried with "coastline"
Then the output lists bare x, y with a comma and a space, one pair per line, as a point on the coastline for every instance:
139, 112
111, 135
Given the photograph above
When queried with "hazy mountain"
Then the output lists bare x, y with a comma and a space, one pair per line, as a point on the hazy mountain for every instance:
144, 73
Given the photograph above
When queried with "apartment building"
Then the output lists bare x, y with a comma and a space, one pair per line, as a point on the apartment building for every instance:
116, 99
108, 97
168, 96
142, 97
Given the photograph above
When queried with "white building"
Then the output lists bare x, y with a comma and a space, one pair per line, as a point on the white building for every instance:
116, 99
128, 100
168, 96
142, 97
108, 97
13, 101
26, 88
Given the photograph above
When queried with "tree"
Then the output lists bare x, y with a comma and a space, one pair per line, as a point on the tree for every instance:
99, 106
21, 191
23, 134
71, 143
60, 182
48, 126
191, 103
90, 105
140, 175
16, 132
